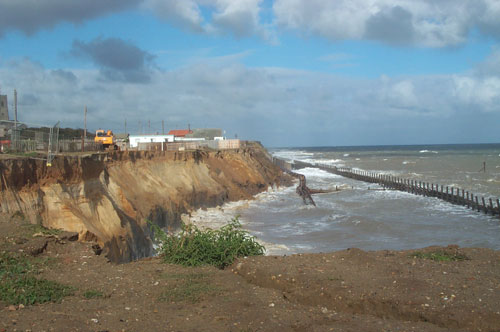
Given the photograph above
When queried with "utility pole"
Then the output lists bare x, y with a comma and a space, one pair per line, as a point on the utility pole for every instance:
15, 109
84, 135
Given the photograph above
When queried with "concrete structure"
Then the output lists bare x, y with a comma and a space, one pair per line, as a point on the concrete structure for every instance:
4, 108
134, 140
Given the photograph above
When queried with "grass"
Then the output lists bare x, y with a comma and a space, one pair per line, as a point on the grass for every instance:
195, 247
440, 256
31, 154
18, 284
188, 288
93, 294
36, 228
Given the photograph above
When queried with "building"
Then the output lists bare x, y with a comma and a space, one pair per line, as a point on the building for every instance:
134, 140
208, 134
180, 132
4, 108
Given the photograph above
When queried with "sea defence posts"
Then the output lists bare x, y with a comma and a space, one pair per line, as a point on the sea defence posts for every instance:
449, 194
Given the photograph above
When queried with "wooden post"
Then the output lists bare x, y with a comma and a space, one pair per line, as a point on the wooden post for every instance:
477, 204
498, 207
491, 207
484, 205
468, 202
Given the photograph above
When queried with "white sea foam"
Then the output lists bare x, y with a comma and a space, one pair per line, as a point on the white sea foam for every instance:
428, 151
406, 162
346, 154
311, 172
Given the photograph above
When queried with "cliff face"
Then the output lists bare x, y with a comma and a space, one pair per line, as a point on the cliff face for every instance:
109, 197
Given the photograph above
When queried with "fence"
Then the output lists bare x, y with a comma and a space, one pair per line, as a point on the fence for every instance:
450, 194
183, 146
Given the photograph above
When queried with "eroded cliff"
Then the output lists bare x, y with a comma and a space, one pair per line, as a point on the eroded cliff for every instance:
108, 197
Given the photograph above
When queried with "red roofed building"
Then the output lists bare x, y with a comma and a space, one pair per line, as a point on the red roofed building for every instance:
180, 132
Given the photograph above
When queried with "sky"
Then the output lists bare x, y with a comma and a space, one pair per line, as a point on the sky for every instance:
283, 72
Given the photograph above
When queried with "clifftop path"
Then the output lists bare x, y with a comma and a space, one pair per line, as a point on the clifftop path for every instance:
108, 197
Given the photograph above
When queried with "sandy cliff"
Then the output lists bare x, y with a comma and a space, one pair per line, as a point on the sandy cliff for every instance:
108, 197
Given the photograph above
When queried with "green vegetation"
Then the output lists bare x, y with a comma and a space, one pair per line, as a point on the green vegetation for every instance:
440, 256
93, 294
18, 284
195, 247
37, 228
31, 154
188, 288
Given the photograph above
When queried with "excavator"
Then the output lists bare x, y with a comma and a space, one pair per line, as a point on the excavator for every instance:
106, 138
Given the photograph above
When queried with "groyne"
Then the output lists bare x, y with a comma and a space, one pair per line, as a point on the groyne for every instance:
449, 194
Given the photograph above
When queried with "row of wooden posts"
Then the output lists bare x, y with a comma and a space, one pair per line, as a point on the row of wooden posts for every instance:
450, 194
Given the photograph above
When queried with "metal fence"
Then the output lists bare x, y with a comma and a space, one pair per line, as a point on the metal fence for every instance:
184, 146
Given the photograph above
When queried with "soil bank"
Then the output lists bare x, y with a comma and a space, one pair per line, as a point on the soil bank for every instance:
108, 198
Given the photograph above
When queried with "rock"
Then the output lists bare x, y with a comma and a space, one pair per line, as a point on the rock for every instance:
97, 249
35, 246
69, 236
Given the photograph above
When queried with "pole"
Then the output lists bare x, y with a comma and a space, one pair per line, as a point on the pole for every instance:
162, 127
125, 126
15, 108
84, 134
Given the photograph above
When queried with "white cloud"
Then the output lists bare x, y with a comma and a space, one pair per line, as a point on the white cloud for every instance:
238, 17
276, 105
426, 23
185, 13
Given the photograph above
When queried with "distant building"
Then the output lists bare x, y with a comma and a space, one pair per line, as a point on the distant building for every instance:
208, 134
4, 108
180, 132
134, 140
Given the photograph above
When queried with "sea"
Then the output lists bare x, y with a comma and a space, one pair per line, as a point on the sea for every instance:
363, 215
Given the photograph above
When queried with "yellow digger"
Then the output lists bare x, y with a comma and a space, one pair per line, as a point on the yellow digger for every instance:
106, 138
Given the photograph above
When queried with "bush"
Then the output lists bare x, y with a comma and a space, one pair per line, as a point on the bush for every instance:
195, 247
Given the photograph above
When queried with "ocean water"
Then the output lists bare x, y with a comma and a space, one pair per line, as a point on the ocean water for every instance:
361, 215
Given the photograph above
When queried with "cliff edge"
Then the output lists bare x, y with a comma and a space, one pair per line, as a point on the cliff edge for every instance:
108, 198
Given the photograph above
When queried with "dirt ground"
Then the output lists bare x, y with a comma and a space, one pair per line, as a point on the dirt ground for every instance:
350, 290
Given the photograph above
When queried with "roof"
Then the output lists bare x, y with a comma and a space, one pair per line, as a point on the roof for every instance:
180, 132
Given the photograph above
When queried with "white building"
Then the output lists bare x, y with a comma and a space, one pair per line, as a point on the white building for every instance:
134, 140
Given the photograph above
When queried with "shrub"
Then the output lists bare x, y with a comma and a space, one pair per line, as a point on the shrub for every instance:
195, 247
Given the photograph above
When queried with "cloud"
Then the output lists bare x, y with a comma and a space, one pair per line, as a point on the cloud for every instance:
119, 60
184, 13
240, 18
393, 25
280, 107
427, 23
31, 15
